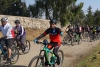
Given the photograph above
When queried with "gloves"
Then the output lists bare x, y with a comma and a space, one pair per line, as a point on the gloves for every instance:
35, 40
61, 33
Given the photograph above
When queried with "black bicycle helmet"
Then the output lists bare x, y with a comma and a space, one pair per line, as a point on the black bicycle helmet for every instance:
53, 21
17, 21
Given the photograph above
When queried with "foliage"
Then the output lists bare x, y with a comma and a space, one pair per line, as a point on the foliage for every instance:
13, 7
62, 10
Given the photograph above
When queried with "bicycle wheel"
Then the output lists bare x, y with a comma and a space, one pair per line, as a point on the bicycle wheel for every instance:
14, 54
72, 41
61, 55
37, 61
27, 49
66, 40
1, 60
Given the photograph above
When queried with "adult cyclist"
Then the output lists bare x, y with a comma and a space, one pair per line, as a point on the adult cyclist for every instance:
55, 39
70, 32
8, 36
21, 34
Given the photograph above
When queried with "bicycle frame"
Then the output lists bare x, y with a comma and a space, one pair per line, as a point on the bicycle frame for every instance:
46, 53
1, 48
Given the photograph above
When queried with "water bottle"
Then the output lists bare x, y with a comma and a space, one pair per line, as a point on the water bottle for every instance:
53, 59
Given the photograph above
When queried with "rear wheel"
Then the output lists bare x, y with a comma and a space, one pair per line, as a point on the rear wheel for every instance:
61, 55
27, 49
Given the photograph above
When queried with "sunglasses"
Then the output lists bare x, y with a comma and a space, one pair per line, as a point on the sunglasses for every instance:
52, 24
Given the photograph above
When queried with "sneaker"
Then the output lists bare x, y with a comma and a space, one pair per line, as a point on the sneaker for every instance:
58, 61
23, 48
8, 61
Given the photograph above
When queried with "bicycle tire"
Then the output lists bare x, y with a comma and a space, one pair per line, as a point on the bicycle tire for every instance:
0, 60
66, 40
72, 41
15, 53
27, 47
61, 59
36, 58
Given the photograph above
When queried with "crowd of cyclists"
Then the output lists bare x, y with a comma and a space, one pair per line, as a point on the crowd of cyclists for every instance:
18, 32
54, 33
83, 31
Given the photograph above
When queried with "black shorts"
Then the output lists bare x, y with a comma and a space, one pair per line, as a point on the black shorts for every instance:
9, 42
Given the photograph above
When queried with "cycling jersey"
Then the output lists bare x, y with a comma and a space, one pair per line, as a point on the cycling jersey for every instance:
94, 29
54, 34
20, 30
7, 31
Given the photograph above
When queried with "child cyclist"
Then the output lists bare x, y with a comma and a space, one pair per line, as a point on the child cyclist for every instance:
55, 39
21, 33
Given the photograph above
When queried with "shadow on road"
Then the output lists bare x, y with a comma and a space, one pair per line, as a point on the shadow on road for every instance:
13, 66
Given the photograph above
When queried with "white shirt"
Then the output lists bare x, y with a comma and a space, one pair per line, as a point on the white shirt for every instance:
7, 30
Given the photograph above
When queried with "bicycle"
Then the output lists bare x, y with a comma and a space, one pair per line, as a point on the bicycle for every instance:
39, 61
76, 38
67, 39
4, 53
20, 46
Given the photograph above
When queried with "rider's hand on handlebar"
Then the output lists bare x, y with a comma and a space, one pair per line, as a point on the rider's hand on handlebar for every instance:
35, 40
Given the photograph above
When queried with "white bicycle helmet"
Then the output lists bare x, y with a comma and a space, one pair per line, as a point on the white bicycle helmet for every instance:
4, 19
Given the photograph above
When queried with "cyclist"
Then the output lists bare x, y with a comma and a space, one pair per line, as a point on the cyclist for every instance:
21, 34
78, 30
8, 36
94, 31
55, 39
70, 32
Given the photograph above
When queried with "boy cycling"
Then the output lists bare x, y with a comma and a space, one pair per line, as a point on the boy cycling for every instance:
21, 33
55, 39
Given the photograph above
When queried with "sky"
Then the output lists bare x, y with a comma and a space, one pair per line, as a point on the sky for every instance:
95, 4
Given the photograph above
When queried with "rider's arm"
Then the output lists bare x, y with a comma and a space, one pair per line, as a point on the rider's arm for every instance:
22, 31
61, 33
43, 34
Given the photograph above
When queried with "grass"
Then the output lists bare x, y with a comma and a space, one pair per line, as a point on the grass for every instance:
91, 60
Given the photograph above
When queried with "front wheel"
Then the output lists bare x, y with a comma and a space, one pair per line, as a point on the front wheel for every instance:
61, 55
14, 54
37, 61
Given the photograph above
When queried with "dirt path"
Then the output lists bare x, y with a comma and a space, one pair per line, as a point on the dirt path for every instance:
71, 53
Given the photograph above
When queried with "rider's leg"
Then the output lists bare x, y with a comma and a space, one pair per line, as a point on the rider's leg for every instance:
55, 51
9, 43
22, 40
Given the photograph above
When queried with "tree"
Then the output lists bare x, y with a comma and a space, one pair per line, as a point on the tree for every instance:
13, 7
89, 17
63, 10
96, 17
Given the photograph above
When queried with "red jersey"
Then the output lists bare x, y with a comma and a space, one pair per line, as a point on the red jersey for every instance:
54, 34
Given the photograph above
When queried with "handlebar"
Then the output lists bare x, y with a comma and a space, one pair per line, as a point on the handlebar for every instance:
39, 42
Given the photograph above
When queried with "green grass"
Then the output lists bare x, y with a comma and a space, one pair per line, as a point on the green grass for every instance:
92, 60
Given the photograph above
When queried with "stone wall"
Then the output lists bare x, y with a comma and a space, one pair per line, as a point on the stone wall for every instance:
29, 22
